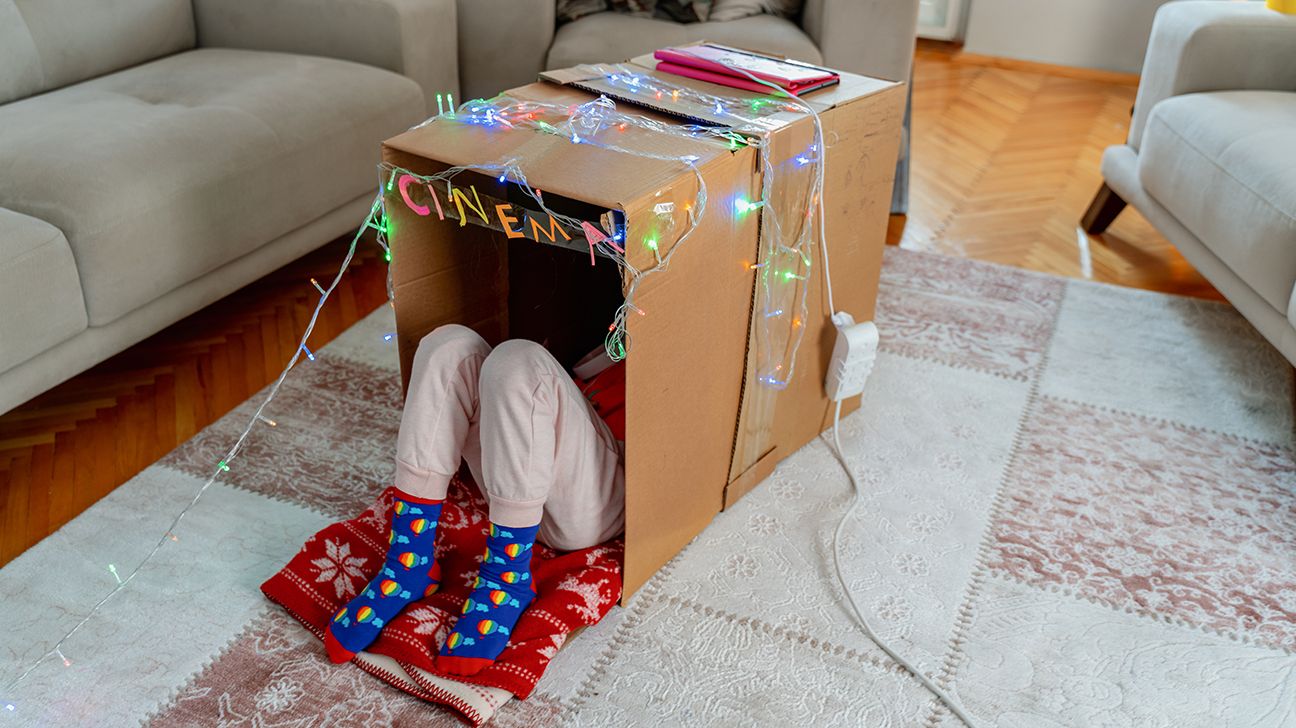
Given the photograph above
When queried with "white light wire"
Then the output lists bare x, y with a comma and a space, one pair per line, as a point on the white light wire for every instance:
949, 701
230, 455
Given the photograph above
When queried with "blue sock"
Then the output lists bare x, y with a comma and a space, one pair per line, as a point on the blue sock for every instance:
502, 591
408, 573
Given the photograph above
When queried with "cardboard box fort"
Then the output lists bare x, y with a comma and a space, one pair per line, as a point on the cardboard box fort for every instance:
700, 432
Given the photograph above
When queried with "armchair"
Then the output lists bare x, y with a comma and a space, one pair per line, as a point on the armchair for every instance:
506, 43
1211, 155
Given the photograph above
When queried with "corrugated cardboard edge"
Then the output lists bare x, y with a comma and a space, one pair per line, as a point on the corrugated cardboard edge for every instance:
752, 477
860, 174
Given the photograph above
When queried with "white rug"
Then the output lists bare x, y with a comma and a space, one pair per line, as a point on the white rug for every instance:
1080, 511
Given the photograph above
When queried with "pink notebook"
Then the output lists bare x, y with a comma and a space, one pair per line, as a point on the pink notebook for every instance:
718, 64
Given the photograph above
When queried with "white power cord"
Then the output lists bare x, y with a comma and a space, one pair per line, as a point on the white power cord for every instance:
851, 361
950, 702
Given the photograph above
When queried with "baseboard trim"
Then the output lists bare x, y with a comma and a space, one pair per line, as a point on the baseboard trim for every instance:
956, 54
1014, 64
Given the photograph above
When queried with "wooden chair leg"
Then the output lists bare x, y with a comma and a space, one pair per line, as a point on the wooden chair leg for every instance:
1102, 211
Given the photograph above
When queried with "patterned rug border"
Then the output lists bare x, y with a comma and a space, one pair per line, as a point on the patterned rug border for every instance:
1151, 419
800, 638
650, 595
235, 486
640, 602
963, 618
175, 463
156, 711
895, 351
1009, 580
1069, 279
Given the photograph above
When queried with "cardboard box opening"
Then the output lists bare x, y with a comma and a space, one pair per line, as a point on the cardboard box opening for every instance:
507, 272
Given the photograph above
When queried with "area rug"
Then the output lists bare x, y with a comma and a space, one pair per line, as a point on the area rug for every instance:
1080, 511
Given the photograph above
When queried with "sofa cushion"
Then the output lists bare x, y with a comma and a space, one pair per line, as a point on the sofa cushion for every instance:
163, 172
1224, 164
613, 37
48, 44
40, 294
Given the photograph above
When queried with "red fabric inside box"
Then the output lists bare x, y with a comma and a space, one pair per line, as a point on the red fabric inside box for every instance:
573, 590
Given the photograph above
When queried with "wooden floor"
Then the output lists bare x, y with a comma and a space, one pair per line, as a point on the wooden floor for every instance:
71, 446
1004, 163
1006, 160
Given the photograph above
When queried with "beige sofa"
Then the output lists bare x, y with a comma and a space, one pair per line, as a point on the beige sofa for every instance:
1211, 155
156, 155
505, 43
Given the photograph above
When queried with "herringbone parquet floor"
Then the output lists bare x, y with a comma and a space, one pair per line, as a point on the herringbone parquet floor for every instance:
1004, 163
69, 447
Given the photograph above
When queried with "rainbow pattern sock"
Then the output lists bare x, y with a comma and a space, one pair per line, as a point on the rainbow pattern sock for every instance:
408, 573
501, 593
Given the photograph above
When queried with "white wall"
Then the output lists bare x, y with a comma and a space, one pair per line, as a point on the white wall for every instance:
1105, 34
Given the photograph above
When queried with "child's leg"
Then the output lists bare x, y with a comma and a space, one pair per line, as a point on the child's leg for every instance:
539, 436
441, 410
440, 414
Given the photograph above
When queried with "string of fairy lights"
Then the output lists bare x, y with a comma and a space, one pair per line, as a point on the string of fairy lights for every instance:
786, 241
786, 245
582, 125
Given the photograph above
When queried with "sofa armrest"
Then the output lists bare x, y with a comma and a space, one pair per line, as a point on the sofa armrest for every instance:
502, 43
415, 38
868, 37
1214, 46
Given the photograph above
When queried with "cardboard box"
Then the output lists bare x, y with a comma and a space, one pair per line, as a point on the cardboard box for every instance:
700, 431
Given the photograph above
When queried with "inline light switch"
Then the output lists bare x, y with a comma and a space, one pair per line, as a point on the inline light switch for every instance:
852, 358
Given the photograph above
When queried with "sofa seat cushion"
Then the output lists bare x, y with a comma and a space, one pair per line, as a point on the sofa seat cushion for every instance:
1224, 164
614, 37
163, 172
40, 293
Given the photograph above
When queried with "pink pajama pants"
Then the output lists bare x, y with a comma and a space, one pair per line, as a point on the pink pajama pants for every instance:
533, 443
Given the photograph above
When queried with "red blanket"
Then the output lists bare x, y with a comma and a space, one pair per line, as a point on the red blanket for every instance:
573, 590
